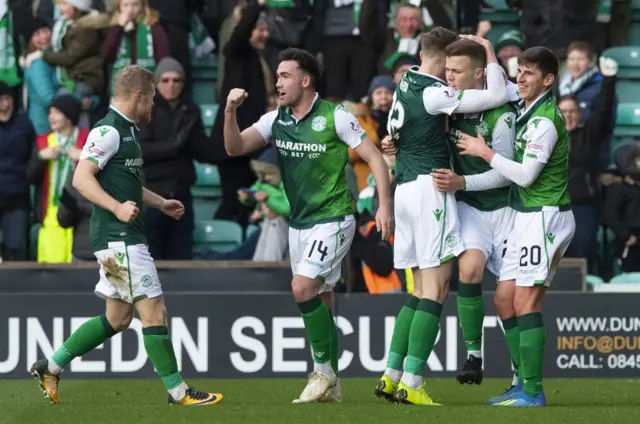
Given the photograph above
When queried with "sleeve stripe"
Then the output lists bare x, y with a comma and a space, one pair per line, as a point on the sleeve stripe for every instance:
363, 136
94, 160
531, 155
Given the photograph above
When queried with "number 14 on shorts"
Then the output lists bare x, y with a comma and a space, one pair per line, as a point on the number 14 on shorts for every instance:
319, 250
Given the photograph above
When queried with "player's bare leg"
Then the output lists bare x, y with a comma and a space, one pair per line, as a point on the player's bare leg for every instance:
434, 286
157, 343
87, 337
388, 384
319, 327
470, 303
503, 302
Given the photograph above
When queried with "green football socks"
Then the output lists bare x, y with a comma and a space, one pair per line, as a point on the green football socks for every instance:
512, 336
471, 315
532, 343
158, 345
317, 323
422, 337
400, 338
87, 337
335, 352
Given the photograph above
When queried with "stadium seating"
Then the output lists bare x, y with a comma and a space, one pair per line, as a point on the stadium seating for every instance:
628, 120
627, 91
633, 34
208, 112
635, 10
205, 208
626, 278
218, 235
628, 58
204, 76
250, 230
207, 181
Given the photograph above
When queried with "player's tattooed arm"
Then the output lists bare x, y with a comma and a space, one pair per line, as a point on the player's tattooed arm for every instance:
252, 138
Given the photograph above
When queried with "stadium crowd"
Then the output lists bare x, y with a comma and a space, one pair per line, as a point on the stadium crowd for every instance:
58, 59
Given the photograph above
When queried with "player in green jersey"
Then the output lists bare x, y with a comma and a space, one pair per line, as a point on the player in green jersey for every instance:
544, 224
109, 176
427, 235
485, 219
312, 137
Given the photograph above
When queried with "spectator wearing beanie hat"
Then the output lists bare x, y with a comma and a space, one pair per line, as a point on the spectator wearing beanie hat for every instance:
170, 142
40, 82
50, 168
372, 116
401, 65
508, 46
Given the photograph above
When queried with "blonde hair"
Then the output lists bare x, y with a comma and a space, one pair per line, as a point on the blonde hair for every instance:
148, 16
130, 79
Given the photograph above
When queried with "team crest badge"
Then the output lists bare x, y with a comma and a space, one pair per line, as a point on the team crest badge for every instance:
319, 123
482, 129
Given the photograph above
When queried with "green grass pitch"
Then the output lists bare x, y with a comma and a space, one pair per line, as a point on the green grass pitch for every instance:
602, 401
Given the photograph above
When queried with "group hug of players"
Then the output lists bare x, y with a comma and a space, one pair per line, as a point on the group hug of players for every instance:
481, 177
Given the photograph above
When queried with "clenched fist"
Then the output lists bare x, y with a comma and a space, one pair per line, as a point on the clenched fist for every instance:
389, 145
236, 97
127, 211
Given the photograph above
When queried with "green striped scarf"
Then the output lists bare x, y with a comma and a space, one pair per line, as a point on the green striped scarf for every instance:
59, 30
62, 167
145, 56
8, 65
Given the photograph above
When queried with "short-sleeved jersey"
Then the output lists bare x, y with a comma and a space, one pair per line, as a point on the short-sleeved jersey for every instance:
541, 135
497, 126
312, 154
113, 145
419, 136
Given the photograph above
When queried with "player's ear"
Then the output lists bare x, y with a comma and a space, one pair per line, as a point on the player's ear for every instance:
479, 73
549, 80
306, 81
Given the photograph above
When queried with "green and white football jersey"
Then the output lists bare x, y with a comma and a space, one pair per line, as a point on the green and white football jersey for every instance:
419, 136
541, 135
113, 145
313, 153
497, 127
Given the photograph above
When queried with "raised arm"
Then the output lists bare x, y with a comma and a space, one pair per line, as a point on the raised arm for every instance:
448, 100
252, 138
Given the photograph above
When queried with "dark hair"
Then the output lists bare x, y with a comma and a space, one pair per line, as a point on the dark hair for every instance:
584, 47
569, 97
305, 60
541, 57
436, 41
471, 49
